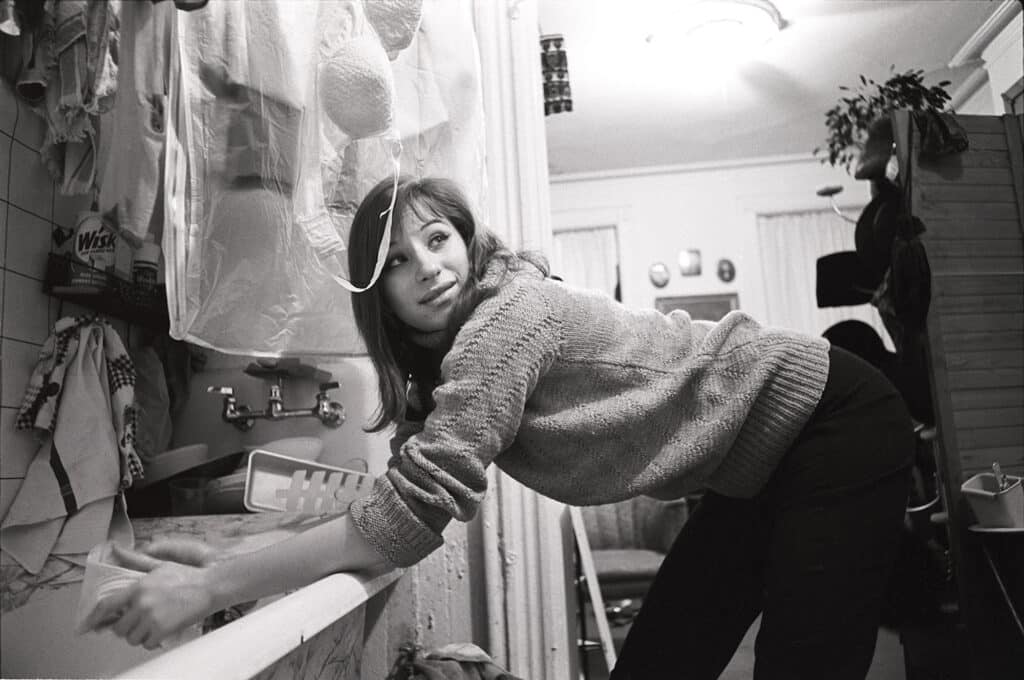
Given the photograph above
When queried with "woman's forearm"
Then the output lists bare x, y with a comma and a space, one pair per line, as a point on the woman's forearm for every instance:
336, 545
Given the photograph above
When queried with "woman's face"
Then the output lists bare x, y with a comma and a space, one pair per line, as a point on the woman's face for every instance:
426, 268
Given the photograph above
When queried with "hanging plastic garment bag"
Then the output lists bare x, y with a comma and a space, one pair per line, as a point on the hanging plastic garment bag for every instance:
282, 114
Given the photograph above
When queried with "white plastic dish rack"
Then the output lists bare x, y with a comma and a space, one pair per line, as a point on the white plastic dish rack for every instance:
275, 482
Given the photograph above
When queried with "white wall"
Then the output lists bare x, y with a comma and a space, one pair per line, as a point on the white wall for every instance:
1004, 61
711, 208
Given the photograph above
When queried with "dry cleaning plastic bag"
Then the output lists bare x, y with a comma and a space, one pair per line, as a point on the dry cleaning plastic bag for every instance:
282, 115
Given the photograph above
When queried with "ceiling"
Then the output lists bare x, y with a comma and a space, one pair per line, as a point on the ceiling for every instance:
638, 103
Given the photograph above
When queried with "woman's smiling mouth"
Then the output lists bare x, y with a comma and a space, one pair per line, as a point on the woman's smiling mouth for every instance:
437, 294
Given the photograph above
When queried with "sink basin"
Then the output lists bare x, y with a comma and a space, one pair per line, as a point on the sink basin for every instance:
306, 448
171, 462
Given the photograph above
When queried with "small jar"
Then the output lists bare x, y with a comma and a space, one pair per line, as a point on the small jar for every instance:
145, 265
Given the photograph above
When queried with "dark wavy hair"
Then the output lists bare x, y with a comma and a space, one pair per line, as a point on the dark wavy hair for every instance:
400, 363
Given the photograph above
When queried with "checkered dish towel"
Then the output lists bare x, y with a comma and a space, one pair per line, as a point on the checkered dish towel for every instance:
43, 396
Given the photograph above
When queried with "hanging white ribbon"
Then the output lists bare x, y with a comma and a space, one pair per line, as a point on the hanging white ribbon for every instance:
385, 239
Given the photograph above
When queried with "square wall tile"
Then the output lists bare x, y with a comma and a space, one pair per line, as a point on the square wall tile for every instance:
31, 187
6, 143
3, 234
17, 447
28, 243
30, 127
17, 361
26, 309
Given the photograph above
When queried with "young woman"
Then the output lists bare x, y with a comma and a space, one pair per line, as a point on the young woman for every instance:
802, 451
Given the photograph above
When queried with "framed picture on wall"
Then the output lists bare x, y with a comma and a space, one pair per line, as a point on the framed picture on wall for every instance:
704, 307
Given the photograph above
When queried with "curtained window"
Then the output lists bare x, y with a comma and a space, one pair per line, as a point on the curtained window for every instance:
587, 258
790, 245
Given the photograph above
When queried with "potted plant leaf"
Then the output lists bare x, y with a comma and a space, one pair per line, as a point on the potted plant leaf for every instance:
859, 127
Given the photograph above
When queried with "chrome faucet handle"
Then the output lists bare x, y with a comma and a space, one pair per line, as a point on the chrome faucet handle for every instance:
226, 391
332, 414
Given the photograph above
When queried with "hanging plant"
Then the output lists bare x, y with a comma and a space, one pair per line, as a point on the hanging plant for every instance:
848, 121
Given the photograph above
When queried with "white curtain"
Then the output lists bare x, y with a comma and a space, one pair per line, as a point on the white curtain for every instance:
586, 258
790, 245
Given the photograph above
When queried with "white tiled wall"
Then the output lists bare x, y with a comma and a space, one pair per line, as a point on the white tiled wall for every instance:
30, 208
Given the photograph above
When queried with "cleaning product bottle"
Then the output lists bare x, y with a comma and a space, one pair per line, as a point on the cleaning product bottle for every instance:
93, 252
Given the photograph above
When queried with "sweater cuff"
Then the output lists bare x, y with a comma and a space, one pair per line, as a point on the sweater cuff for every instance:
393, 530
778, 415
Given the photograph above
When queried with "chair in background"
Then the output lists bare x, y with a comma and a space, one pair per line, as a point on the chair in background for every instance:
621, 548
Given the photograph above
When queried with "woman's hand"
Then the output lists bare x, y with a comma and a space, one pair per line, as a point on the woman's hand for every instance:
170, 597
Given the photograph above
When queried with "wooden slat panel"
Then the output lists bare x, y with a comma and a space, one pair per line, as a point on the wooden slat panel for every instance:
957, 211
974, 247
980, 460
981, 340
976, 380
973, 124
988, 140
976, 265
1012, 455
1013, 126
964, 400
1010, 358
951, 173
970, 193
969, 159
1010, 459
967, 304
1009, 468
989, 437
970, 228
972, 323
977, 285
992, 417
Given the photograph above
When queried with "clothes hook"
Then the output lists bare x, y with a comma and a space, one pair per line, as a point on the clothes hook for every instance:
829, 191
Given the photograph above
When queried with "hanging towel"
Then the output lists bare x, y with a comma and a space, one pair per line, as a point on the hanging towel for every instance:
133, 171
81, 397
76, 48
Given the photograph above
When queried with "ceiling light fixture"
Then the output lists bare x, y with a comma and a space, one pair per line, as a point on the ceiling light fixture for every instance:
728, 31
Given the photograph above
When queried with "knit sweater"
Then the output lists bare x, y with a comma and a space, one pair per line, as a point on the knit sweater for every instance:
589, 402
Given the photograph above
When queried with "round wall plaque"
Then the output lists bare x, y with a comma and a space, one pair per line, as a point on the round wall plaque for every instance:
659, 274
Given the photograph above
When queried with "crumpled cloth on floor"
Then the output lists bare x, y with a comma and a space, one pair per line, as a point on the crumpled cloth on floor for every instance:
457, 661
81, 399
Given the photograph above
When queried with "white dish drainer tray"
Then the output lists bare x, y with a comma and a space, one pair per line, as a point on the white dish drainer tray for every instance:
275, 482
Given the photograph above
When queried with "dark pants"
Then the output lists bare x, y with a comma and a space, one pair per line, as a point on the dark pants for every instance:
812, 553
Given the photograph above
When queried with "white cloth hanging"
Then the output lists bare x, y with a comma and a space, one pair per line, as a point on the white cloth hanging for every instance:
80, 398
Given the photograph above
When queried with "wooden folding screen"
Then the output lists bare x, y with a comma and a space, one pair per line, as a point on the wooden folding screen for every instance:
972, 206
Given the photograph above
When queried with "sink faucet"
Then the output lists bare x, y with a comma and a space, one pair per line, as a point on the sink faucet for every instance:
330, 413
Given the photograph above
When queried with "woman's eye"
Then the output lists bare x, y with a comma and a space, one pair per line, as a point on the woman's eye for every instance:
438, 238
394, 261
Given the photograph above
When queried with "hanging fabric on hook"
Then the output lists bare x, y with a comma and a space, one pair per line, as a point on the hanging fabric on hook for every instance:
282, 114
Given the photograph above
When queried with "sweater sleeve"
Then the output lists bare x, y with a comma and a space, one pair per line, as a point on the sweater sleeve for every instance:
438, 474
